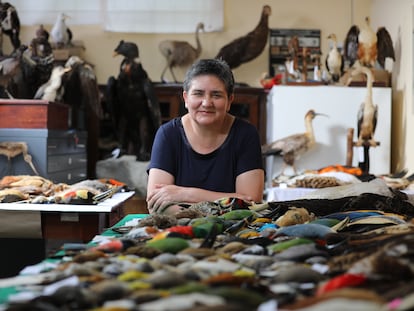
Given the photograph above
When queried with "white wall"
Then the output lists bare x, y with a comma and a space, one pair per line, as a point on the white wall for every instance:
397, 17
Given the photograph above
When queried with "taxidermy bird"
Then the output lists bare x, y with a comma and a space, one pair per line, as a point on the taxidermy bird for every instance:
290, 148
40, 45
180, 53
368, 112
9, 25
60, 34
334, 61
10, 69
51, 90
134, 104
250, 46
366, 46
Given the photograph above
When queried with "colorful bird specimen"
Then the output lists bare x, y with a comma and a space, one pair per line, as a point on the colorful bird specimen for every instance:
9, 25
133, 104
334, 61
180, 53
290, 148
367, 46
60, 35
250, 46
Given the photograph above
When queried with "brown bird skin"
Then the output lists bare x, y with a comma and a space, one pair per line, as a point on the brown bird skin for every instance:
250, 46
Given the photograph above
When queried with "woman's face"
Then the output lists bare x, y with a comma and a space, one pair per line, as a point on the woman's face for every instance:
207, 100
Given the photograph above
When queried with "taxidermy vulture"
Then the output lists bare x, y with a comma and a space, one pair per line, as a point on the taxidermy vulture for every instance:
248, 47
334, 60
290, 148
134, 104
180, 53
9, 25
366, 46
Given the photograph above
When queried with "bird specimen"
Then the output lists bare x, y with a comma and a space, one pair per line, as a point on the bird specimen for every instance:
246, 48
290, 148
12, 149
368, 112
9, 25
51, 90
40, 45
60, 35
180, 53
133, 104
366, 46
10, 68
334, 61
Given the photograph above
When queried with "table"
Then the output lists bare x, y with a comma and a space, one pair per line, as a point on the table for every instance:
32, 231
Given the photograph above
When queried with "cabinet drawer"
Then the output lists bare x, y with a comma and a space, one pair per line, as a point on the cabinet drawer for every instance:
57, 163
69, 177
70, 143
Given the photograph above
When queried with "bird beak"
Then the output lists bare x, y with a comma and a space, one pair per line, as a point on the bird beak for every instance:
115, 54
321, 114
67, 69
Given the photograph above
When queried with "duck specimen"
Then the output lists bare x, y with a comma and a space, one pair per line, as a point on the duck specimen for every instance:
180, 53
246, 48
290, 148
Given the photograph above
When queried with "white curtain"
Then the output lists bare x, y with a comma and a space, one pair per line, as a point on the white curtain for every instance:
143, 16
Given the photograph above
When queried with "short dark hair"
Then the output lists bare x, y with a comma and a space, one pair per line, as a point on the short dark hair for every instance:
215, 67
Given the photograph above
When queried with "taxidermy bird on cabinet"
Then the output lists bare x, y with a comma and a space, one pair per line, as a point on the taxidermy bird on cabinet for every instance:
368, 111
52, 89
134, 104
334, 60
9, 25
290, 148
250, 46
180, 53
366, 46
60, 34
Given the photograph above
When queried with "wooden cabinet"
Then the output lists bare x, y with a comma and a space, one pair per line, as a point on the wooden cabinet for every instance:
249, 104
59, 155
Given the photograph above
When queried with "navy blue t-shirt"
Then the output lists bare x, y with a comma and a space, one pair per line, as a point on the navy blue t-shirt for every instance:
216, 171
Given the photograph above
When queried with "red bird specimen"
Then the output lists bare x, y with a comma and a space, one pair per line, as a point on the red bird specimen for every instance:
248, 47
368, 47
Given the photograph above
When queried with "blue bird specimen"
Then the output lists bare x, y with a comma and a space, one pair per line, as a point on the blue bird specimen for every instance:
310, 231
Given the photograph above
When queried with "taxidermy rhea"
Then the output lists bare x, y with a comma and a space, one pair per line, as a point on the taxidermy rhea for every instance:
133, 103
180, 53
248, 47
290, 148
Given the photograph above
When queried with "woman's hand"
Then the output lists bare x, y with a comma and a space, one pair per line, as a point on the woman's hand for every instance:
164, 196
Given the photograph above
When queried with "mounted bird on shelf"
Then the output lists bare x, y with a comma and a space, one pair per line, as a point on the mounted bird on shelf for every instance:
134, 104
9, 25
368, 47
180, 53
291, 147
60, 34
334, 61
367, 118
246, 48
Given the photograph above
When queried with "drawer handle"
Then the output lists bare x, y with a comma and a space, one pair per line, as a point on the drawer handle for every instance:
80, 145
51, 146
83, 160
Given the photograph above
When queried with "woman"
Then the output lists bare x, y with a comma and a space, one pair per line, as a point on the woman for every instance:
207, 154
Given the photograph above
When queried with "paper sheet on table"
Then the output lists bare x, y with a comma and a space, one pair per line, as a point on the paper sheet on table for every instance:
20, 224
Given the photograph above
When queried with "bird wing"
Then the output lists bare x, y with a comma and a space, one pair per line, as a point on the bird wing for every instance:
285, 145
233, 52
351, 45
384, 46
